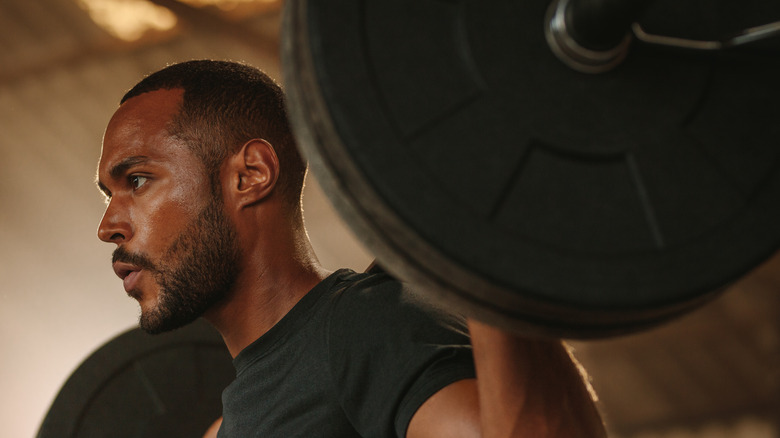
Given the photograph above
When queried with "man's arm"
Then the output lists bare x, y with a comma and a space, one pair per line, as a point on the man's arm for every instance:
213, 429
524, 388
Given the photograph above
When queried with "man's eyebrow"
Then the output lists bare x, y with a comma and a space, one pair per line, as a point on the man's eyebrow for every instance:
120, 169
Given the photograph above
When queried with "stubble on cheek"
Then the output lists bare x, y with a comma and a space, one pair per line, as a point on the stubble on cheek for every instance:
196, 271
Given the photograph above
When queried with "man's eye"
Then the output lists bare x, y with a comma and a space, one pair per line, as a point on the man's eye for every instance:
136, 181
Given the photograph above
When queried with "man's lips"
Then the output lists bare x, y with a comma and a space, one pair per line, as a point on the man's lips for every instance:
128, 273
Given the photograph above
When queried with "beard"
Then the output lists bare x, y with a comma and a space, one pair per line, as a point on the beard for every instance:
196, 272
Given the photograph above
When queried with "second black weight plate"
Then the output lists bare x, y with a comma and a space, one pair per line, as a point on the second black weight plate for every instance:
143, 386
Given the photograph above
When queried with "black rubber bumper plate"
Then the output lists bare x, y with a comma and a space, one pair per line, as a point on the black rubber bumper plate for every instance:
143, 386
479, 167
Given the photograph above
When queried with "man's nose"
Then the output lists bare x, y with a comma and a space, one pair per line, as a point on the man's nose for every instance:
115, 226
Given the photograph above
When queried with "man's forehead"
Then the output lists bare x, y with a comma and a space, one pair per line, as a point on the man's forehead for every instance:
140, 123
154, 108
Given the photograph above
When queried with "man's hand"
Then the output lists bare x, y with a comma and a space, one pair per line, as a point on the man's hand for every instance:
530, 388
525, 388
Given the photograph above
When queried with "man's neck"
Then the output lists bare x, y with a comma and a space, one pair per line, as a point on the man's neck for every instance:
264, 293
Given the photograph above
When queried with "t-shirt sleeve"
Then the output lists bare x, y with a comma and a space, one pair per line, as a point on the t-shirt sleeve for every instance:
389, 352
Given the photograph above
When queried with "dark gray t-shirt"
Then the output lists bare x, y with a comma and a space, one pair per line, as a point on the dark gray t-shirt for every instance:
356, 357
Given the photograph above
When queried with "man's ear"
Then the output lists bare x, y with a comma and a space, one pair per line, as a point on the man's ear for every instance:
254, 171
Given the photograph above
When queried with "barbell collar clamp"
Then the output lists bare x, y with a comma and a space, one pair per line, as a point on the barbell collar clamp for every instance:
572, 53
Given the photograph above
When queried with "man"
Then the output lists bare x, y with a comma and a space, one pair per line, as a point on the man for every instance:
203, 183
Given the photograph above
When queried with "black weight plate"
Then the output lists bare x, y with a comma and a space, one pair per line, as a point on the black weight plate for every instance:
475, 164
143, 386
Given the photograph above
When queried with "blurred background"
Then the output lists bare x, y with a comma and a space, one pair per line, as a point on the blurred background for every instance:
64, 64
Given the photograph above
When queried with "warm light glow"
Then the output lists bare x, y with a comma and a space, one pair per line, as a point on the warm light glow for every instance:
227, 4
129, 19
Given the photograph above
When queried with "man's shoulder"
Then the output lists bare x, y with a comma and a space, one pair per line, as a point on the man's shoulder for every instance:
378, 299
370, 290
366, 283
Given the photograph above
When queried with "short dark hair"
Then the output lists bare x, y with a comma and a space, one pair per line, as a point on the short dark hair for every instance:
225, 104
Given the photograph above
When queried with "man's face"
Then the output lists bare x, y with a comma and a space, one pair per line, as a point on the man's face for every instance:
177, 252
